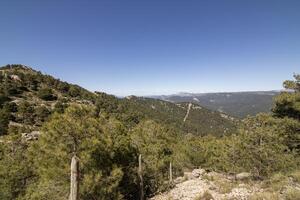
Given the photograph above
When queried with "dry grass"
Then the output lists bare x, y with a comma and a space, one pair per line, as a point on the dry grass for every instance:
169, 198
276, 183
296, 176
225, 186
205, 196
209, 178
292, 194
265, 196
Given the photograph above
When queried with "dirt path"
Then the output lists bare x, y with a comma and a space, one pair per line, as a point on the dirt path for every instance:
187, 112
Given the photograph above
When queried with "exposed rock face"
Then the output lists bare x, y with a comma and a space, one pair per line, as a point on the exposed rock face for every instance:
34, 135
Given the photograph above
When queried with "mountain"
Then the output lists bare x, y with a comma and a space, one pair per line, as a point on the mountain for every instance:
28, 98
189, 117
237, 104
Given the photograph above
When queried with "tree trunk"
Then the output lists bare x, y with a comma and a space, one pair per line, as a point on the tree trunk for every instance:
140, 171
74, 189
170, 173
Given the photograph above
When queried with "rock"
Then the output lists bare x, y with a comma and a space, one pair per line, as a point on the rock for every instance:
34, 135
198, 172
243, 176
15, 77
188, 175
212, 187
239, 193
179, 180
11, 123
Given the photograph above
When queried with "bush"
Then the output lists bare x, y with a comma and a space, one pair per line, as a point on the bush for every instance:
106, 159
42, 113
25, 113
74, 91
4, 121
158, 146
10, 107
3, 99
46, 94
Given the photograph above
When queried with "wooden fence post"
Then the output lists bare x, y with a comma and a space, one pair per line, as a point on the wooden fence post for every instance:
170, 173
140, 173
74, 188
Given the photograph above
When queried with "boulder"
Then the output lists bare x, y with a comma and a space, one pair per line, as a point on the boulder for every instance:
198, 172
243, 176
34, 135
179, 180
188, 175
15, 77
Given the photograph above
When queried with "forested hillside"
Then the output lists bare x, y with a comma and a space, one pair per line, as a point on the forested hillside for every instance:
29, 97
237, 104
45, 122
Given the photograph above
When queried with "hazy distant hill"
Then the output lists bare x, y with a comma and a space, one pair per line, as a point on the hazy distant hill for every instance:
28, 98
238, 104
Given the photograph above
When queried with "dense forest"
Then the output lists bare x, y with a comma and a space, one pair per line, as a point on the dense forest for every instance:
45, 121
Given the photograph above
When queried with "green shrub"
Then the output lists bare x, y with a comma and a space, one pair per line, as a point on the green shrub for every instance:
4, 121
46, 94
10, 107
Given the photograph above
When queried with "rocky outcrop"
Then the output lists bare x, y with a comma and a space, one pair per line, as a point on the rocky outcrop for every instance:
198, 183
15, 77
198, 172
34, 135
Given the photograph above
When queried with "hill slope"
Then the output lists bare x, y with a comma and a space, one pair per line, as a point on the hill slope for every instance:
28, 98
238, 104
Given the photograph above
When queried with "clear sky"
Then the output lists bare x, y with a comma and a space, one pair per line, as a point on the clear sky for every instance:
143, 47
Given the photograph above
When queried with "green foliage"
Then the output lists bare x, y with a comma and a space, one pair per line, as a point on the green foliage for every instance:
26, 112
131, 111
3, 99
287, 104
46, 94
41, 114
101, 146
261, 147
199, 122
10, 107
4, 121
210, 152
15, 169
60, 106
74, 91
107, 135
159, 146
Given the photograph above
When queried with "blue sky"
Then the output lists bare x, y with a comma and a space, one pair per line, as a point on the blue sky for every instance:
142, 47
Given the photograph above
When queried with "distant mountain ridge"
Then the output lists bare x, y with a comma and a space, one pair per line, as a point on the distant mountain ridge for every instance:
237, 104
